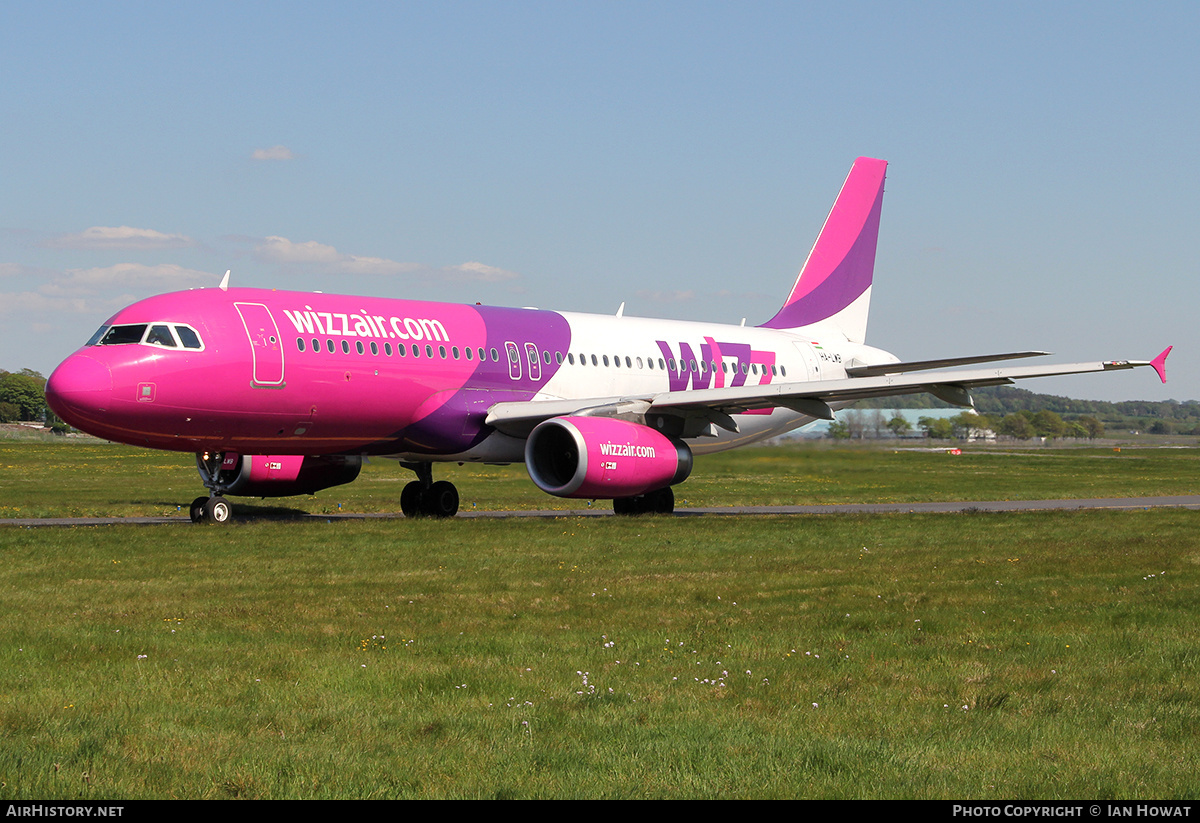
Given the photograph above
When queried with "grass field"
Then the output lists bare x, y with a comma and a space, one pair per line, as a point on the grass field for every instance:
1041, 655
94, 478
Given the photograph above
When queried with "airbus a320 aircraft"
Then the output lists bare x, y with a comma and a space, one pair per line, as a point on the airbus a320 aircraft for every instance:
283, 393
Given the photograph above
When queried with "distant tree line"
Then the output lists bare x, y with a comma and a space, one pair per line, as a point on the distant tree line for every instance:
1020, 425
999, 403
23, 397
859, 424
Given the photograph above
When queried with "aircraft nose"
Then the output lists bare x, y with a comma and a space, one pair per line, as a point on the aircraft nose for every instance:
80, 386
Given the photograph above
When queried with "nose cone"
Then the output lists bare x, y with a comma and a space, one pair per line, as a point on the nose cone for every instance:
79, 389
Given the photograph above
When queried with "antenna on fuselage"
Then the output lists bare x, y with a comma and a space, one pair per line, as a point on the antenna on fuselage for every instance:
225, 281
621, 309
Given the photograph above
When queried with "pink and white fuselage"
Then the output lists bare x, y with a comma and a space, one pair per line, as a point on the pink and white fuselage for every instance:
283, 392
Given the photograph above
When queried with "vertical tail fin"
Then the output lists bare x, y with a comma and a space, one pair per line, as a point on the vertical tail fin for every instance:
834, 286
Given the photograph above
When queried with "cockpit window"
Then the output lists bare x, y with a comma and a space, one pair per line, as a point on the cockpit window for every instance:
160, 336
120, 335
188, 337
163, 335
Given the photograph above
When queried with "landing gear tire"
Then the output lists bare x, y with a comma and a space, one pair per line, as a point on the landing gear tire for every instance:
659, 501
217, 510
197, 509
440, 500
411, 498
662, 501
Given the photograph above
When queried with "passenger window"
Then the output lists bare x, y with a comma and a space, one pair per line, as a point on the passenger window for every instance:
374, 347
329, 345
300, 344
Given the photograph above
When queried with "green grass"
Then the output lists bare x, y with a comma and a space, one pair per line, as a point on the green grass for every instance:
981, 656
100, 479
987, 656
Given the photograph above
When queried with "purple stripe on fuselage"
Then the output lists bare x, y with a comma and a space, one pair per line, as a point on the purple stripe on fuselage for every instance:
452, 421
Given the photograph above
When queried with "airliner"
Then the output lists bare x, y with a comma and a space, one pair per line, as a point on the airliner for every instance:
285, 393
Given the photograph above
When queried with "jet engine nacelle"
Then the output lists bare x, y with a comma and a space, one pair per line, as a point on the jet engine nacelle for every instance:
599, 457
281, 475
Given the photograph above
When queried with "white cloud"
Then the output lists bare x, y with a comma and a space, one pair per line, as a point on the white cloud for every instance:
282, 250
311, 253
32, 305
119, 237
479, 273
163, 277
325, 259
273, 153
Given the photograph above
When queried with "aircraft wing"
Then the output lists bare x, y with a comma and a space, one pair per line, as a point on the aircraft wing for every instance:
812, 398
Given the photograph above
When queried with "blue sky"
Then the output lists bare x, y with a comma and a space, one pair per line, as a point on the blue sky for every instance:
679, 157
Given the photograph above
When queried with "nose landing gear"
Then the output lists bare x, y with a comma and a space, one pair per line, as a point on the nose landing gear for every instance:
214, 508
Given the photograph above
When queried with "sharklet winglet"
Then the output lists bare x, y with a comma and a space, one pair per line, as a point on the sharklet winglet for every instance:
1160, 363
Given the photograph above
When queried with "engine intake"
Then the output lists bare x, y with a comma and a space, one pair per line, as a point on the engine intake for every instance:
599, 457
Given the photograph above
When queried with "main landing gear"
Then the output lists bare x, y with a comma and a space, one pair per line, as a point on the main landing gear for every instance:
659, 501
425, 498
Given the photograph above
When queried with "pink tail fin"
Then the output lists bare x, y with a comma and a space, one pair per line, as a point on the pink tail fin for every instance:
835, 283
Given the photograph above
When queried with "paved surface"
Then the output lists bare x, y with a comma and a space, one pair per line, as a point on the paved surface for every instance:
1177, 501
